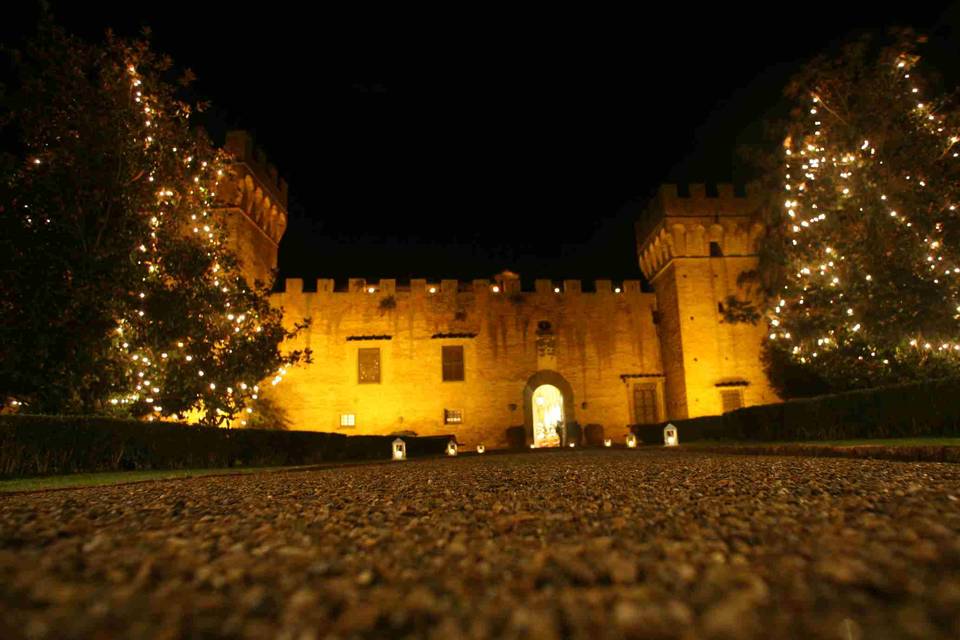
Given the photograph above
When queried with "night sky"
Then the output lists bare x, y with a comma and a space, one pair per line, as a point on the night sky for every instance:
457, 144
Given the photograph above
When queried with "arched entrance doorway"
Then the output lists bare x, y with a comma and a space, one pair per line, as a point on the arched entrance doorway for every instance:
539, 418
547, 416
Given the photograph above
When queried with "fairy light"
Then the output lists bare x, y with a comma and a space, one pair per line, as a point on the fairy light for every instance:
184, 188
821, 275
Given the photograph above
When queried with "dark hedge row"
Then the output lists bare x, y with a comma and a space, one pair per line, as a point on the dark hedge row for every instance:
31, 445
921, 409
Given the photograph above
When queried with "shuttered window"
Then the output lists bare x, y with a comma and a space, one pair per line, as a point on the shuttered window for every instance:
645, 404
732, 399
452, 363
368, 366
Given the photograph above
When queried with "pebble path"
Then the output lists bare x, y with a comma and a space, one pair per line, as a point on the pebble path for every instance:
580, 544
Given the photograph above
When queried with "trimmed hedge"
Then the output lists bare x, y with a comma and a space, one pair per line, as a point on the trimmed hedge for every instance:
920, 409
32, 445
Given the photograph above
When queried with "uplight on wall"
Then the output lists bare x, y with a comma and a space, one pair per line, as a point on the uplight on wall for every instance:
399, 449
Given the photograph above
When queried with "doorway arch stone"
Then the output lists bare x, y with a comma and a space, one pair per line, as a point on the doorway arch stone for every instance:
542, 377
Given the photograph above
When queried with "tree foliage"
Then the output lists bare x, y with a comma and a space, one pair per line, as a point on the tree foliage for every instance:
119, 294
862, 262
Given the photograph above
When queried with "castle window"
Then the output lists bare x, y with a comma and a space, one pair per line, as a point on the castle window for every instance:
348, 420
645, 406
452, 416
715, 250
368, 366
731, 399
452, 363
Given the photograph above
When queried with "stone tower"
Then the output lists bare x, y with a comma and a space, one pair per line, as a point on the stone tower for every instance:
254, 207
692, 249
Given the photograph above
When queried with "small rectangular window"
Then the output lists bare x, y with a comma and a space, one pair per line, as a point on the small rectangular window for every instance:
368, 366
732, 399
452, 363
348, 420
452, 416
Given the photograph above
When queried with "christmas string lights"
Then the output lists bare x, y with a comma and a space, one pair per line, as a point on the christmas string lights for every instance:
869, 194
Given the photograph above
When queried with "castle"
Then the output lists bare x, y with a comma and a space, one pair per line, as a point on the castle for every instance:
476, 358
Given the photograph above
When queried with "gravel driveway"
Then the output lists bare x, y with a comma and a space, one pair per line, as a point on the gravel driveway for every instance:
585, 544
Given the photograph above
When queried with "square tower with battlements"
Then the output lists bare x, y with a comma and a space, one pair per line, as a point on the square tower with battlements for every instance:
694, 250
254, 208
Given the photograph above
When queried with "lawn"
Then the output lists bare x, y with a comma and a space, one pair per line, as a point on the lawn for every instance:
75, 480
880, 442
890, 442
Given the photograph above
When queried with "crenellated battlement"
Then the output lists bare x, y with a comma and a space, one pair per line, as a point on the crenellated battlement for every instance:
253, 205
505, 287
240, 144
697, 225
257, 190
697, 202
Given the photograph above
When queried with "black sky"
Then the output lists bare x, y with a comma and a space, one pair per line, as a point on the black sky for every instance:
442, 143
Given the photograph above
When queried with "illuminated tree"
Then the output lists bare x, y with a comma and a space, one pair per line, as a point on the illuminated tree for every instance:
118, 291
866, 236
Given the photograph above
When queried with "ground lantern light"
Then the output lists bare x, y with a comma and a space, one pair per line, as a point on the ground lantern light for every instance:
481, 448
607, 442
399, 449
631, 441
670, 436
452, 448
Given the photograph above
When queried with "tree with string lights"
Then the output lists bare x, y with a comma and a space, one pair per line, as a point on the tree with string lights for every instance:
119, 293
863, 258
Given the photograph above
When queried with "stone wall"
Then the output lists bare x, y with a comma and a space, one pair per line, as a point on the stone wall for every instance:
600, 342
596, 342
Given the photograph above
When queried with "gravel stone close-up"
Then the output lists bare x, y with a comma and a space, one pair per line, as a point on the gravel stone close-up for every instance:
581, 544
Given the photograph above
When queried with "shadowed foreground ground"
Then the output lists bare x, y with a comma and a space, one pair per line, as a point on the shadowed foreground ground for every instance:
583, 544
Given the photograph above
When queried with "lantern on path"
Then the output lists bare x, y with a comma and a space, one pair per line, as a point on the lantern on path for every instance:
452, 448
481, 448
670, 436
607, 442
399, 449
631, 441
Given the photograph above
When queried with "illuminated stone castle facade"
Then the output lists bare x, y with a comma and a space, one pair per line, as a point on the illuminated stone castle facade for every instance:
475, 358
